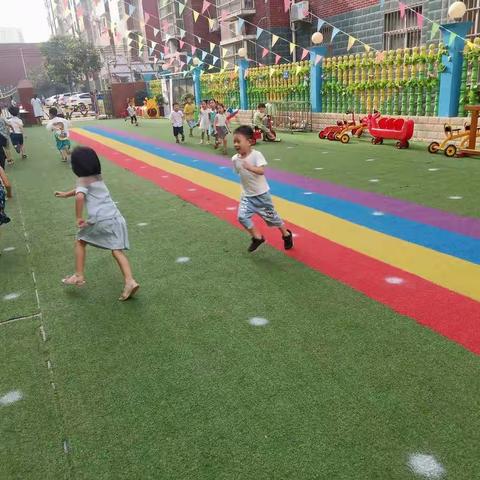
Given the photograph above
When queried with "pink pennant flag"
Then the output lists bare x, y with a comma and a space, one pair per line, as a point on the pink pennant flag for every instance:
181, 43
205, 6
420, 19
194, 49
287, 5
147, 17
277, 59
224, 16
166, 50
166, 24
318, 59
182, 64
264, 52
402, 7
304, 53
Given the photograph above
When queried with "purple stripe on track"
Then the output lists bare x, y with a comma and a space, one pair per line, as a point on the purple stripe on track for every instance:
418, 213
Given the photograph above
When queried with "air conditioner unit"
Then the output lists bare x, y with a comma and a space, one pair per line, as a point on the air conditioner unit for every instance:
299, 11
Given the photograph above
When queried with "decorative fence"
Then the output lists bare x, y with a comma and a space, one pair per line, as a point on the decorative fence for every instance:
396, 82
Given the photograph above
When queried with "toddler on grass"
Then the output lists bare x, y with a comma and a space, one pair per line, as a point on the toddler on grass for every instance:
176, 117
105, 226
256, 198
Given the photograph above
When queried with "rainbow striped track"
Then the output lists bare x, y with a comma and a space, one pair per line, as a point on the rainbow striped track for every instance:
432, 258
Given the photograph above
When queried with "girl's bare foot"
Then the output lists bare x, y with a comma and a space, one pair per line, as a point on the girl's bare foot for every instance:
129, 291
76, 280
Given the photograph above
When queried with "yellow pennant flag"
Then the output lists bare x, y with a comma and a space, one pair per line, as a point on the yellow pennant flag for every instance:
299, 68
272, 71
224, 52
236, 68
292, 47
211, 23
274, 39
212, 46
195, 15
211, 67
225, 65
351, 41
222, 70
367, 48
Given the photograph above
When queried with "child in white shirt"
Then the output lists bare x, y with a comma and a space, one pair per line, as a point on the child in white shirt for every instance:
204, 122
176, 118
256, 198
221, 127
132, 113
16, 125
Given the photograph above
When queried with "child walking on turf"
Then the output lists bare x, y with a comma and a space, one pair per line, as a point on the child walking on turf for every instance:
132, 113
255, 198
59, 126
204, 117
16, 125
221, 128
189, 111
105, 226
176, 117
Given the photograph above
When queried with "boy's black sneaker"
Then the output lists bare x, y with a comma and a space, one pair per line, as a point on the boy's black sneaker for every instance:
288, 240
256, 242
178, 141
183, 138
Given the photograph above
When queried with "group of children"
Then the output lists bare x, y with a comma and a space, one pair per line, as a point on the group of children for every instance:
213, 121
11, 131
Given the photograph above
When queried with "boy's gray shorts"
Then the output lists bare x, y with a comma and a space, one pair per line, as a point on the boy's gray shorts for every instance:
261, 205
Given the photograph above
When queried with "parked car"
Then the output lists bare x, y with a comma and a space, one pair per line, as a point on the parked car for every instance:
51, 101
80, 98
65, 97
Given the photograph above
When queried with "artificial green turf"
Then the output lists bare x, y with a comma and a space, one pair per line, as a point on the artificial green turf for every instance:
177, 385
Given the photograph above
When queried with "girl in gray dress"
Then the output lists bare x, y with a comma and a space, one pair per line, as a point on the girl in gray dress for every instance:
105, 226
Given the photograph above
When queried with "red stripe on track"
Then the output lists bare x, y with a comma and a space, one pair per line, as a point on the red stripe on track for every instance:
448, 313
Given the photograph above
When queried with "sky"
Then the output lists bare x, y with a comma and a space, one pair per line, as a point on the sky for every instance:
29, 15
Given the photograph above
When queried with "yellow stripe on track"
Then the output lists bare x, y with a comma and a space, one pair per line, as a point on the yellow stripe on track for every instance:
447, 271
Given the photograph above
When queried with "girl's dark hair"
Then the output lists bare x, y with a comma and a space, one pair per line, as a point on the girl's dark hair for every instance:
261, 105
85, 162
244, 130
14, 111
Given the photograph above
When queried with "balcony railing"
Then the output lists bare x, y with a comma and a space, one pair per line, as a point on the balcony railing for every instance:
235, 8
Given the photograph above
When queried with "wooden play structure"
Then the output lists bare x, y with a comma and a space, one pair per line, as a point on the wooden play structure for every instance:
474, 134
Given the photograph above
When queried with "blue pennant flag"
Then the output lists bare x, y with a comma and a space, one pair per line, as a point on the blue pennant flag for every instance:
259, 32
189, 59
131, 9
215, 60
335, 32
320, 24
241, 23
204, 54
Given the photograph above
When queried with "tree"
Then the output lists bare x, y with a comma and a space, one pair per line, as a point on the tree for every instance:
70, 60
43, 84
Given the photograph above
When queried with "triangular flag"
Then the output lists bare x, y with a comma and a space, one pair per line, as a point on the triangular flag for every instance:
181, 43
181, 7
224, 52
205, 6
236, 68
211, 23
366, 47
199, 39
166, 50
215, 59
185, 73
204, 54
274, 40
264, 52
351, 41
292, 47
320, 23
305, 52
195, 15
272, 71
189, 59
277, 59
452, 38
194, 49
212, 47
211, 67
335, 32
131, 9
298, 69
226, 64
150, 51
224, 15
241, 22
420, 19
402, 6
259, 32
318, 59
153, 44
287, 5
435, 29
245, 75
182, 32
146, 17
156, 31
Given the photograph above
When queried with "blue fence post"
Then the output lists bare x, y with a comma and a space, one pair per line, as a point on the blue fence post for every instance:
316, 71
450, 78
242, 68
197, 87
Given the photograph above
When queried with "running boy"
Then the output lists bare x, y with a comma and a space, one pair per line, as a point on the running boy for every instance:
132, 113
16, 125
176, 118
221, 124
189, 111
255, 198
59, 126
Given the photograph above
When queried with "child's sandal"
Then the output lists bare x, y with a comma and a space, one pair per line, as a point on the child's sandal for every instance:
73, 280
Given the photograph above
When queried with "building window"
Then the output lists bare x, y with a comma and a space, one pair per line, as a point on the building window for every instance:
473, 14
402, 32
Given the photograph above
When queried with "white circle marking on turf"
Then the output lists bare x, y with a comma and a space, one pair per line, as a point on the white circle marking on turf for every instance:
324, 153
9, 249
231, 208
192, 189
277, 159
374, 180
378, 214
370, 160
258, 321
182, 260
164, 176
295, 235
142, 224
455, 197
318, 168
425, 465
308, 193
290, 147
11, 397
11, 296
433, 169
394, 280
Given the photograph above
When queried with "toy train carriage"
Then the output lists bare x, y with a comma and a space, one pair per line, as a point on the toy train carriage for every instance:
399, 129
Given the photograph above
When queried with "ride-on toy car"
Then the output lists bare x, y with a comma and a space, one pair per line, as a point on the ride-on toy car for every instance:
258, 134
398, 129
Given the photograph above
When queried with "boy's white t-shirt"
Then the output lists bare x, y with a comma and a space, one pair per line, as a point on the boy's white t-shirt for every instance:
51, 123
252, 184
16, 124
131, 110
177, 118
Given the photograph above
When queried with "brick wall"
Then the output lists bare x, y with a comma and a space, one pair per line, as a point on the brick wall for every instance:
11, 64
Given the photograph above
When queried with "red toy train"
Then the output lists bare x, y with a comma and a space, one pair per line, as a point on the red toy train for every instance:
391, 128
